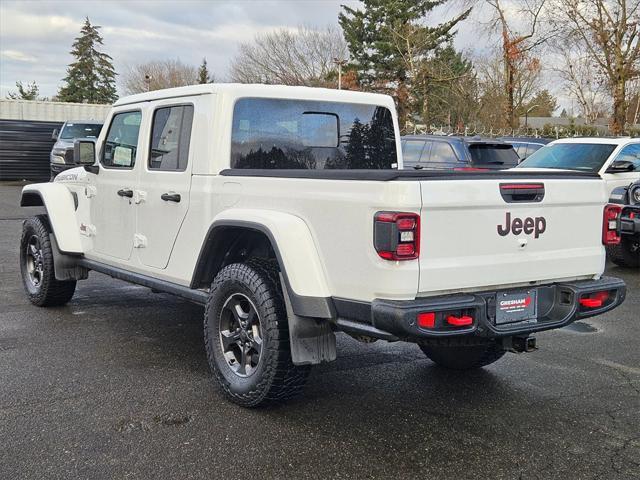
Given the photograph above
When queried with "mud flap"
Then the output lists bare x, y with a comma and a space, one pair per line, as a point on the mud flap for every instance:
312, 340
66, 267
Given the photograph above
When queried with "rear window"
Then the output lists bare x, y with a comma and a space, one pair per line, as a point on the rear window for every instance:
299, 134
588, 157
493, 154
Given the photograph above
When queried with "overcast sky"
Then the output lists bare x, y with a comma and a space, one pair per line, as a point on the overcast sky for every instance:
36, 36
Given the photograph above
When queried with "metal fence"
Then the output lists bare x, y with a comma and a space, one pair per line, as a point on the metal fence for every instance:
548, 131
24, 149
51, 111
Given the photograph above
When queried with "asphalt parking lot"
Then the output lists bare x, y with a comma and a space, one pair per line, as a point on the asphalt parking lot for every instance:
116, 385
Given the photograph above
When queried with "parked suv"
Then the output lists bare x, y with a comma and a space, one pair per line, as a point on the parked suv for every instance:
626, 252
283, 212
437, 152
61, 156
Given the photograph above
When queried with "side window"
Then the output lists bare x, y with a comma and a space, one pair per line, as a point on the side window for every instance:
426, 152
121, 144
531, 148
411, 150
441, 152
631, 153
170, 138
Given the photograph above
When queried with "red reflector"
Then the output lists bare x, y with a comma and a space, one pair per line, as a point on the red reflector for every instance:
603, 296
595, 300
590, 302
427, 320
463, 321
405, 249
521, 186
406, 224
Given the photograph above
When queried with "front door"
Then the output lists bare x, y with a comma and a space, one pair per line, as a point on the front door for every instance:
112, 209
630, 153
164, 182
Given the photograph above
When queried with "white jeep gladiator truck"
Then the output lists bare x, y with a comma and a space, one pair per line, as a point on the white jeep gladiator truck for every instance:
282, 210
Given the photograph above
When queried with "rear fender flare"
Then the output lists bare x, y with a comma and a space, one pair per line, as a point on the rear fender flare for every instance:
296, 252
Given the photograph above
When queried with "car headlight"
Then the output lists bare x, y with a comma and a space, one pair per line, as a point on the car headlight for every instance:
57, 159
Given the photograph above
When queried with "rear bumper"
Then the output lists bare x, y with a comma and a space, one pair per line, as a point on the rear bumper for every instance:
630, 221
558, 305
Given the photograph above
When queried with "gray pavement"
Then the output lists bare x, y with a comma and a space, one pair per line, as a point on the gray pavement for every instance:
116, 385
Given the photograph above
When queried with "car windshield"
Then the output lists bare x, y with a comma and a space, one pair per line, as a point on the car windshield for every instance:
80, 130
587, 157
493, 154
301, 134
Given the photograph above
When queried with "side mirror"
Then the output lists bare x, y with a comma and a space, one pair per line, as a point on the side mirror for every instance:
84, 152
621, 166
54, 135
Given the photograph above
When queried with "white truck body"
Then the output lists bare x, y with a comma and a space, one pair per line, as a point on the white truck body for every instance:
477, 234
460, 248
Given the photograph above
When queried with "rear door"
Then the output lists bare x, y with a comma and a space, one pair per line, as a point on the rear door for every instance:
475, 234
163, 189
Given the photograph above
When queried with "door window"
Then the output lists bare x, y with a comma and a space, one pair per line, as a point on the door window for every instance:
121, 145
442, 153
631, 153
170, 138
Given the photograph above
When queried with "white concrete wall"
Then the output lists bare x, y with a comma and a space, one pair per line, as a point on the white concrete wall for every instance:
51, 111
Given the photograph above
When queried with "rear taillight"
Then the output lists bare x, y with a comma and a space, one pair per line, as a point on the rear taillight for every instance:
396, 236
610, 218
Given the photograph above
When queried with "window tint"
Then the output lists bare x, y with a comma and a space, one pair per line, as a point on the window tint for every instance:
298, 134
121, 145
170, 138
493, 154
442, 153
631, 153
411, 151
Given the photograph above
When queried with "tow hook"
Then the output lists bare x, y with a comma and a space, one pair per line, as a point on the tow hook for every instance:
520, 344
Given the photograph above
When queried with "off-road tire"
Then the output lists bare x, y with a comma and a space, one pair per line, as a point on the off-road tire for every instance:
464, 357
623, 254
276, 379
49, 292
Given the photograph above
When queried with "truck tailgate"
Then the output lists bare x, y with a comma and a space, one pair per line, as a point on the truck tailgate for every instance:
481, 233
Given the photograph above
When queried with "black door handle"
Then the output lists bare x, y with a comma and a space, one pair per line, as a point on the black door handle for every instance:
170, 197
125, 192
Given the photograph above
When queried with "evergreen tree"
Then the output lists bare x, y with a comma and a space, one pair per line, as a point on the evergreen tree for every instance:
449, 93
389, 42
356, 154
28, 92
203, 73
91, 77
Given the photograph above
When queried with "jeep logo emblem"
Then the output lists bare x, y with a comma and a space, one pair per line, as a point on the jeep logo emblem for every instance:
529, 225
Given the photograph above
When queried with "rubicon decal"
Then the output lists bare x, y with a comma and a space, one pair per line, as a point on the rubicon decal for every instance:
536, 226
